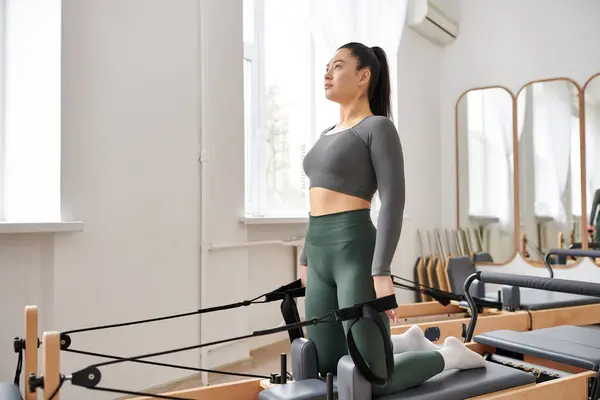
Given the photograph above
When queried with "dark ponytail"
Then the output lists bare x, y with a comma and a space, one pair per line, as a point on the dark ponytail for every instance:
380, 99
379, 90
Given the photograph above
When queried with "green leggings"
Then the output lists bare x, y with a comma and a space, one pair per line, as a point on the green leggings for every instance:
339, 249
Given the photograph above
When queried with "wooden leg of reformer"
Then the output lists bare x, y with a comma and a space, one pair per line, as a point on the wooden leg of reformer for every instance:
51, 375
31, 348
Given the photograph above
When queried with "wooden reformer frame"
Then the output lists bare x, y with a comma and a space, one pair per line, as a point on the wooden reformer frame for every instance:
575, 385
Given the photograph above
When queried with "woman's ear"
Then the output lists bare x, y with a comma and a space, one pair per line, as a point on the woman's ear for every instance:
364, 75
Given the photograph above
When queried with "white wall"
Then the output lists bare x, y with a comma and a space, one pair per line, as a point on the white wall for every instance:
132, 122
130, 144
418, 120
510, 43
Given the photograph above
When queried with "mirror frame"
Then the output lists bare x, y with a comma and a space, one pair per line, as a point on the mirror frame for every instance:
584, 240
582, 161
516, 239
516, 191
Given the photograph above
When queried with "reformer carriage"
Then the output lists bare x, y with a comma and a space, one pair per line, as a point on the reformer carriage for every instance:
552, 362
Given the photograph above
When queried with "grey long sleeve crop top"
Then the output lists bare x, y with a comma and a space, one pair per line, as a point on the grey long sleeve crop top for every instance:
359, 161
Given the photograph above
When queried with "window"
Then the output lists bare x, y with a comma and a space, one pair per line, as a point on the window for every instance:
30, 98
278, 112
283, 112
286, 46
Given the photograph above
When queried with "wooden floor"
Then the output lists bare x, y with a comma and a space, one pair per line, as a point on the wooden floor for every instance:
262, 361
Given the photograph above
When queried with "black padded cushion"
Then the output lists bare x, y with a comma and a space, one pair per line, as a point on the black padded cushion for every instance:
483, 257
459, 269
455, 384
8, 391
572, 345
308, 389
534, 299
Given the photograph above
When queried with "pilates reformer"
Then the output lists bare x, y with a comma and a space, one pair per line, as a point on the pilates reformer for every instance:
89, 377
553, 370
447, 269
443, 271
521, 308
536, 320
550, 363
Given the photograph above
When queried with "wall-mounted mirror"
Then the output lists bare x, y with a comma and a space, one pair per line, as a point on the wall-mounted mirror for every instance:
549, 165
485, 169
592, 159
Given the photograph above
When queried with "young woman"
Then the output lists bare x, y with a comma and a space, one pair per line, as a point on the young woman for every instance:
345, 259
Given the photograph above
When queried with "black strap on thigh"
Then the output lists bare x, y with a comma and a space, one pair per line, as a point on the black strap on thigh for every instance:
368, 312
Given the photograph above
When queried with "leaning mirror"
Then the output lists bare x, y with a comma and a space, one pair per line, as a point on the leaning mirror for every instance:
548, 132
592, 160
485, 170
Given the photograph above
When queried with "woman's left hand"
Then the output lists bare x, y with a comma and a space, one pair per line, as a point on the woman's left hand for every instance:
385, 287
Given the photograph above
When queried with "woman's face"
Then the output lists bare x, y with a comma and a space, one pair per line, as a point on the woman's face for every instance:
343, 82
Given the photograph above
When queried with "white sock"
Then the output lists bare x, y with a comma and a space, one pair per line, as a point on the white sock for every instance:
412, 340
457, 356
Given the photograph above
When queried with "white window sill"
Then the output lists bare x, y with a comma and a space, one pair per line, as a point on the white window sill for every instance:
40, 227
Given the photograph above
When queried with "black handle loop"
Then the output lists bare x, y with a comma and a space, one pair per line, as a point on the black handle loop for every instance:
369, 313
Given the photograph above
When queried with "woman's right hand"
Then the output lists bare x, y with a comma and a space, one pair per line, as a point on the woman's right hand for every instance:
303, 273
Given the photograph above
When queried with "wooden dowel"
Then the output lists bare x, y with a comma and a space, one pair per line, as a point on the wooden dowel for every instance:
51, 375
450, 251
31, 348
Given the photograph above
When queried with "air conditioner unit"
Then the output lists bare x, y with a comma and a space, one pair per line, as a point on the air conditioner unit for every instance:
428, 20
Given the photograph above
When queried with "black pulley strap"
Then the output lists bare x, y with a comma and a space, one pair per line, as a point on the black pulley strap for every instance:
294, 289
444, 297
90, 376
19, 346
370, 311
289, 310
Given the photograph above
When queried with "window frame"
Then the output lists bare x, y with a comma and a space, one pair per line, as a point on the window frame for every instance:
3, 28
256, 151
256, 187
255, 182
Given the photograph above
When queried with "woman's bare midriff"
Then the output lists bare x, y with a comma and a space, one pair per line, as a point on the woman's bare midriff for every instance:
325, 201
